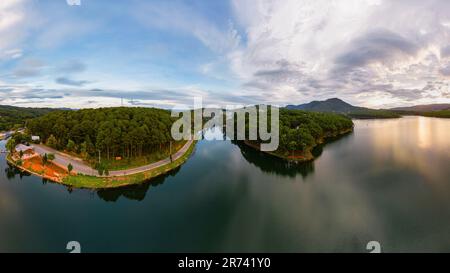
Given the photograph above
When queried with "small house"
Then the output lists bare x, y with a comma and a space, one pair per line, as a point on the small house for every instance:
35, 139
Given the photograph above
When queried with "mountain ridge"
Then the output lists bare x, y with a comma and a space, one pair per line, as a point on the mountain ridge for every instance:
424, 107
329, 105
336, 105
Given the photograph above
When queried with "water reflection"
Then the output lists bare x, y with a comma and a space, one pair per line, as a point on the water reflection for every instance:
135, 192
11, 172
388, 181
274, 165
411, 143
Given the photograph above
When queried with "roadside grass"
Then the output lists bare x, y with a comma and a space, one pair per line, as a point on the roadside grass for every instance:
91, 182
130, 163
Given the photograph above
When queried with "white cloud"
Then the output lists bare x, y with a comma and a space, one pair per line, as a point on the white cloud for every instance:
12, 26
369, 52
302, 50
29, 67
171, 16
13, 53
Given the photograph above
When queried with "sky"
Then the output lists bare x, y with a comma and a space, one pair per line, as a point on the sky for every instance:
373, 53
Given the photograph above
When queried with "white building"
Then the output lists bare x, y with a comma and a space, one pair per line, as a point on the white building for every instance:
24, 149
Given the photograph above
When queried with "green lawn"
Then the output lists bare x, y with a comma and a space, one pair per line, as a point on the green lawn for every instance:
130, 163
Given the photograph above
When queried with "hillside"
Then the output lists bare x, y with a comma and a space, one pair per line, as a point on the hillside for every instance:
424, 108
330, 105
336, 105
437, 114
139, 136
14, 117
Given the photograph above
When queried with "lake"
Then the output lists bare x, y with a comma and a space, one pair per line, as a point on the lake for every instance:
388, 181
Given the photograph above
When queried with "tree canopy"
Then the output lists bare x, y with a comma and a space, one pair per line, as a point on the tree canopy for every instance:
301, 130
125, 132
15, 117
438, 114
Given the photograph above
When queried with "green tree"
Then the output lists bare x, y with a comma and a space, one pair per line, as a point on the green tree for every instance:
83, 149
69, 168
100, 169
90, 148
70, 145
52, 142
293, 146
11, 145
44, 159
50, 157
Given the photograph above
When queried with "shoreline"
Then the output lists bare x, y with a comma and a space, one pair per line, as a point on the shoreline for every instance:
81, 181
308, 156
23, 169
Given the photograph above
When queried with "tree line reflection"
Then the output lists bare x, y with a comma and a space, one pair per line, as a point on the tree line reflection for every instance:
274, 165
133, 192
265, 162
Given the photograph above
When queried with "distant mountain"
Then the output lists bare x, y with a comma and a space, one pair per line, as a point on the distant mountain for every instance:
336, 105
424, 108
330, 105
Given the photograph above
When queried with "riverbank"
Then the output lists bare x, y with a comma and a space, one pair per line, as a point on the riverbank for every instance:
51, 172
97, 182
301, 156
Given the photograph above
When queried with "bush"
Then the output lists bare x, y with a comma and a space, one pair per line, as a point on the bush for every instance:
69, 168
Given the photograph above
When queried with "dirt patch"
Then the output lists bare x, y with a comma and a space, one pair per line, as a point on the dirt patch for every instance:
49, 171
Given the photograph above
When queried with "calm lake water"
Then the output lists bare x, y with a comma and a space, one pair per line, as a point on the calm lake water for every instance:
388, 181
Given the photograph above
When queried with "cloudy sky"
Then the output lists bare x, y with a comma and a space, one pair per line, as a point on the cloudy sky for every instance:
375, 53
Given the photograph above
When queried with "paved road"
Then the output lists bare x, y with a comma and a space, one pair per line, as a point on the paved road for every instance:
80, 167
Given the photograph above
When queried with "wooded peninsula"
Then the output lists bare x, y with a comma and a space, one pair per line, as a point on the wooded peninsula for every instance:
301, 131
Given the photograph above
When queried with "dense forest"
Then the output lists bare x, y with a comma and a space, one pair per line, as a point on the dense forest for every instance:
372, 114
15, 117
300, 131
125, 132
134, 132
437, 114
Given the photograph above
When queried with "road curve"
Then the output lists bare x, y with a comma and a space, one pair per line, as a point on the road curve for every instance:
79, 166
